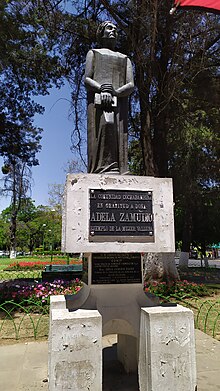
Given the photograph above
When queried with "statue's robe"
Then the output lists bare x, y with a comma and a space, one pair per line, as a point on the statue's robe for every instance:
107, 131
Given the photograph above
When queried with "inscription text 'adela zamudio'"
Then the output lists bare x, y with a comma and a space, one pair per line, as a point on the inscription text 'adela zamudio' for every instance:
121, 213
135, 217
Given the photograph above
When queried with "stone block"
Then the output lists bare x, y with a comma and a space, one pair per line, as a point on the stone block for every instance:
127, 348
167, 349
57, 302
75, 361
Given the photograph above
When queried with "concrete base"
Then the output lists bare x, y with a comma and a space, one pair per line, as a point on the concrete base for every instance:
119, 306
75, 356
127, 352
166, 354
167, 349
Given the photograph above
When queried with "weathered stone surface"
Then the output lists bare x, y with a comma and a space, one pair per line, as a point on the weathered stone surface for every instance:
167, 349
75, 361
76, 217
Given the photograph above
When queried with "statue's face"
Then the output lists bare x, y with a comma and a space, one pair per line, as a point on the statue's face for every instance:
110, 31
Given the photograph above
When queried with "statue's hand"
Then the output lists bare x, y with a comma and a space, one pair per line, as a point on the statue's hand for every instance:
107, 87
106, 99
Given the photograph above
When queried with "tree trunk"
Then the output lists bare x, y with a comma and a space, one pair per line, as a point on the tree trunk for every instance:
160, 145
186, 238
17, 192
160, 267
145, 132
13, 223
13, 227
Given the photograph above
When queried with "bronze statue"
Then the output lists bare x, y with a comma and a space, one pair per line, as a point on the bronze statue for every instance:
109, 82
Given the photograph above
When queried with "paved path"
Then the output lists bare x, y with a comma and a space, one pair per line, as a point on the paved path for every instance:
197, 262
23, 366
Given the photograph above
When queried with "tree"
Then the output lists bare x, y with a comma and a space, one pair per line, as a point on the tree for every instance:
169, 54
29, 66
17, 183
194, 163
36, 227
196, 199
4, 234
56, 192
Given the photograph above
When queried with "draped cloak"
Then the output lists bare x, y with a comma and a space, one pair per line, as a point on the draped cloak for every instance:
107, 131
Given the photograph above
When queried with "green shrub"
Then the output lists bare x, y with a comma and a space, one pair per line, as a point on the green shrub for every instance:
179, 289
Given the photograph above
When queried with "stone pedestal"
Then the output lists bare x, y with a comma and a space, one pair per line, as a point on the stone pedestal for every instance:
167, 349
112, 219
165, 356
127, 352
75, 355
119, 306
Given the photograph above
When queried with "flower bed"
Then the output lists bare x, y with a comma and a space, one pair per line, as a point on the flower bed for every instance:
180, 289
38, 265
38, 292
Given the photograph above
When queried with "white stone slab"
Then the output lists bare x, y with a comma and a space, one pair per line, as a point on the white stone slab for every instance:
167, 349
57, 302
76, 214
75, 361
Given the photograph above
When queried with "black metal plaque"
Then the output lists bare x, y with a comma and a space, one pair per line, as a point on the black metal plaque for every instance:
121, 215
115, 268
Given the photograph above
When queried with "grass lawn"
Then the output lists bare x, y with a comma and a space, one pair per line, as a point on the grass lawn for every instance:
5, 261
206, 313
14, 274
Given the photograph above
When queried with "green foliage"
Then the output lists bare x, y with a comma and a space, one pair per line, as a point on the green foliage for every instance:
36, 226
135, 158
194, 165
4, 234
178, 290
20, 274
30, 66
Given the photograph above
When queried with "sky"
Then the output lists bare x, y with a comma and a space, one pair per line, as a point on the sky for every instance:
56, 141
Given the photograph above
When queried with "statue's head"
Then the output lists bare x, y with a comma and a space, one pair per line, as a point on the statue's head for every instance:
106, 31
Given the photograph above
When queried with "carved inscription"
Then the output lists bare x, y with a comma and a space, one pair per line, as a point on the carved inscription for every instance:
116, 268
121, 213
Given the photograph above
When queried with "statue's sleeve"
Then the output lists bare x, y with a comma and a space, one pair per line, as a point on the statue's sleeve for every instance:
90, 83
128, 87
129, 73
